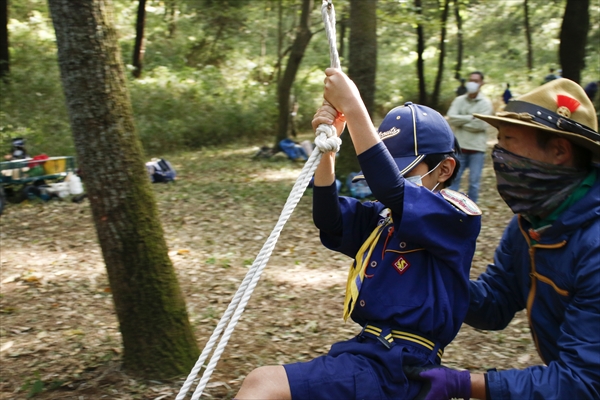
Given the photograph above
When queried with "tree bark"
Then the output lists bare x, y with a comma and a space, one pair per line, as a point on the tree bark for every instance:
157, 336
362, 68
420, 50
435, 97
459, 53
170, 9
138, 50
284, 86
573, 38
362, 56
4, 53
528, 36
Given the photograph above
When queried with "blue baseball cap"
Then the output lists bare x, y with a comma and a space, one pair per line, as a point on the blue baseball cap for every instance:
412, 131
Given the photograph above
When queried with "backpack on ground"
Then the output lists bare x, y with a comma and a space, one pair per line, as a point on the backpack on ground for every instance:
160, 170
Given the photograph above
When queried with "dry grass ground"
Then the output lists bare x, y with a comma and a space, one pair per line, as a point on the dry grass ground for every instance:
59, 333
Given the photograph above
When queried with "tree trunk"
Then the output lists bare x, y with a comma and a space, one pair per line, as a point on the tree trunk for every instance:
342, 45
170, 9
420, 50
284, 86
573, 38
528, 36
362, 68
157, 337
280, 35
138, 50
435, 97
459, 53
4, 54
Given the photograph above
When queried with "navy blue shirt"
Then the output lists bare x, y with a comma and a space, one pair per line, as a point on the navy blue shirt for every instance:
418, 276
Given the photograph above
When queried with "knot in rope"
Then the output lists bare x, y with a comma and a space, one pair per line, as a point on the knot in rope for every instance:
327, 139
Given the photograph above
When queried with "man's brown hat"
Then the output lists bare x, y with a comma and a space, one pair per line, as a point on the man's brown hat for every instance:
559, 106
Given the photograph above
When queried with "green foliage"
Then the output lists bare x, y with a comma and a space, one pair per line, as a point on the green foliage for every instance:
199, 108
210, 67
32, 103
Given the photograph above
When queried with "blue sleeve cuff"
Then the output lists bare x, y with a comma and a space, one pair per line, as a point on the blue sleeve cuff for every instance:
327, 215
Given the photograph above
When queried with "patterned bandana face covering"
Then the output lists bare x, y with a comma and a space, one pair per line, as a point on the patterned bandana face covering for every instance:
533, 188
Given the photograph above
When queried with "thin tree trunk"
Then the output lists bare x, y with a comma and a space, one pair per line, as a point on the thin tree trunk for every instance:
4, 53
420, 50
343, 27
157, 336
170, 9
138, 50
435, 97
528, 36
459, 53
279, 37
284, 86
573, 38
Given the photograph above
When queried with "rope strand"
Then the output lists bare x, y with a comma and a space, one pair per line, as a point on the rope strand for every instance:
326, 140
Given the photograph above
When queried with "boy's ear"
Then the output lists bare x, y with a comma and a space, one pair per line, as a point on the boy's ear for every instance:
446, 169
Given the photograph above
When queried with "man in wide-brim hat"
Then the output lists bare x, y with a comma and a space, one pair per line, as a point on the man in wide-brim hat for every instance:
548, 261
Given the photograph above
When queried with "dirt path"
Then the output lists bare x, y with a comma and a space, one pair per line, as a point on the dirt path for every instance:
59, 336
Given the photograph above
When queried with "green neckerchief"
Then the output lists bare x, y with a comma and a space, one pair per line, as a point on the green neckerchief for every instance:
577, 195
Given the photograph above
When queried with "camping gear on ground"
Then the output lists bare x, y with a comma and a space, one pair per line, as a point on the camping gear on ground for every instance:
293, 150
160, 170
359, 189
17, 176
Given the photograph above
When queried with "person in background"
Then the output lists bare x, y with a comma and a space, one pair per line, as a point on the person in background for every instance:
551, 76
591, 89
470, 132
507, 95
17, 150
460, 90
548, 260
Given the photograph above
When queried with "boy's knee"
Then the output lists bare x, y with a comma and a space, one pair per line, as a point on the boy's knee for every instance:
267, 382
255, 377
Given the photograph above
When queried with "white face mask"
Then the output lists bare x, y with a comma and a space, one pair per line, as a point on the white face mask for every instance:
418, 179
472, 87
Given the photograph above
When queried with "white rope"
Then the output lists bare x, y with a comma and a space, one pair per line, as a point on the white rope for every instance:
326, 140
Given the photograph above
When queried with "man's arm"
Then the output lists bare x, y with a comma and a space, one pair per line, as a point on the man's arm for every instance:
476, 125
454, 116
495, 296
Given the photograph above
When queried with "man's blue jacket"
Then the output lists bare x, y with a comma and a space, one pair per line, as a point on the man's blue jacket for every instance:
556, 277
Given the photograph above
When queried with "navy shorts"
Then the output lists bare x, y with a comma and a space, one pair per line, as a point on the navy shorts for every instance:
357, 369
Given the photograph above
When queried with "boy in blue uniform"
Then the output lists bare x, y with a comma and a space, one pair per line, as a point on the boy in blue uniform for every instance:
408, 285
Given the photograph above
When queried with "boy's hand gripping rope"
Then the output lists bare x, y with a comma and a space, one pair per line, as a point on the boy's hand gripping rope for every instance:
326, 140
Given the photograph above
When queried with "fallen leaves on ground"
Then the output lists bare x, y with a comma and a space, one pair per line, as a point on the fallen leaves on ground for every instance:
59, 337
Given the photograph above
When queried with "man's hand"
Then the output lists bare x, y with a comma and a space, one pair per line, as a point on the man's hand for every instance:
440, 382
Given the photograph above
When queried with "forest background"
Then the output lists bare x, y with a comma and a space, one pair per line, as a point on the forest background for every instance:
210, 68
206, 97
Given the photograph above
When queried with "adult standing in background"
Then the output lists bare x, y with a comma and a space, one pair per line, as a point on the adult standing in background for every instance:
470, 132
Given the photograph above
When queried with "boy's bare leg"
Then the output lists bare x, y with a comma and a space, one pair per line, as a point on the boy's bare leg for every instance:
265, 383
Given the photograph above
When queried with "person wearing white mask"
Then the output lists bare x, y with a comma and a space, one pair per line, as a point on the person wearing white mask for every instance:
470, 132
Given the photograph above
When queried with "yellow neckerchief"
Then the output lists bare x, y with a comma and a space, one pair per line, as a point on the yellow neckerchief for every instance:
356, 275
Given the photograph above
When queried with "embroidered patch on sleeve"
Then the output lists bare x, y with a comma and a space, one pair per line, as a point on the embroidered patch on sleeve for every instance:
401, 265
461, 202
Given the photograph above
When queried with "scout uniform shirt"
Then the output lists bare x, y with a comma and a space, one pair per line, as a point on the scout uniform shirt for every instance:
416, 279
